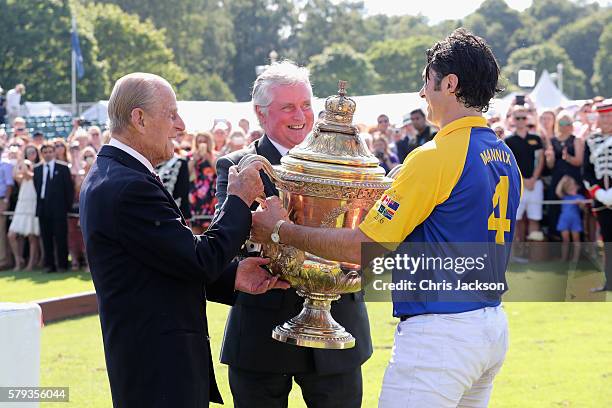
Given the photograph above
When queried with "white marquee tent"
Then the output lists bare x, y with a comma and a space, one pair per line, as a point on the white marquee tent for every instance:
45, 108
200, 115
546, 94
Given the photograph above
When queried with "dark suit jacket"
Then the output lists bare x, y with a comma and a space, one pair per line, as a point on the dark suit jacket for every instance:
248, 343
59, 191
152, 278
406, 146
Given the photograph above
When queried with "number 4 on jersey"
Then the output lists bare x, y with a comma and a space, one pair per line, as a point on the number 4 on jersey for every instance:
500, 200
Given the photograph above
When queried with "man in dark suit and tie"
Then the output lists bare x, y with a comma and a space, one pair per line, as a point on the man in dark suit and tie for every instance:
261, 369
55, 194
424, 135
152, 275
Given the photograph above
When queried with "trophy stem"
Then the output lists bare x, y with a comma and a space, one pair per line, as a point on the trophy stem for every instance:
314, 326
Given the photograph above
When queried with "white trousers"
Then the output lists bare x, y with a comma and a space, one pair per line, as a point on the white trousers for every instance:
445, 360
531, 201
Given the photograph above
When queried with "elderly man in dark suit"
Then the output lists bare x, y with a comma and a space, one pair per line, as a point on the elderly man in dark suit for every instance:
261, 369
55, 194
152, 275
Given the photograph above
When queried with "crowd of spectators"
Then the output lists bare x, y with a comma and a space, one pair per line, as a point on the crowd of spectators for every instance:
548, 146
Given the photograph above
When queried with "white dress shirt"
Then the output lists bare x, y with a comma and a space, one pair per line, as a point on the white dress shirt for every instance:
47, 167
281, 149
133, 153
13, 98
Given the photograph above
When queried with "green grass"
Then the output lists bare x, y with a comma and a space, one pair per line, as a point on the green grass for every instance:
560, 356
560, 353
24, 286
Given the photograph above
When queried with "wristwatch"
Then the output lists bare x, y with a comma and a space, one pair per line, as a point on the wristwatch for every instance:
275, 236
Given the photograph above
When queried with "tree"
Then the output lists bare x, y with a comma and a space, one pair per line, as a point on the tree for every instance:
258, 25
199, 32
495, 21
551, 15
402, 27
581, 41
342, 62
546, 57
524, 37
127, 44
323, 23
400, 63
208, 87
602, 76
36, 50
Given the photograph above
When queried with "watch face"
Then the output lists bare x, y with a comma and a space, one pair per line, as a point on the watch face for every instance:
275, 238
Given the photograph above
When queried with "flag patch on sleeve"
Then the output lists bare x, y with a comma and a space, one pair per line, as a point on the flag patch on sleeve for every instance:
388, 207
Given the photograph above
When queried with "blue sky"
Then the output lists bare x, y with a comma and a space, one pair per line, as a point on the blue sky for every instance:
438, 10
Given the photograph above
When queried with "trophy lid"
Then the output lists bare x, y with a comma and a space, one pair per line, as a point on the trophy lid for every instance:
334, 149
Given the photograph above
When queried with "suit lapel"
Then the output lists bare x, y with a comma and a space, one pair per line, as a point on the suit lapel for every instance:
266, 149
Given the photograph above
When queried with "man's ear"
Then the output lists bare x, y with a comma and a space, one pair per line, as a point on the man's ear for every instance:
137, 119
260, 115
451, 84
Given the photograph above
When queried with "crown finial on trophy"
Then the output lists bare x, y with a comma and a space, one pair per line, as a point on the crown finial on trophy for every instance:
342, 88
339, 109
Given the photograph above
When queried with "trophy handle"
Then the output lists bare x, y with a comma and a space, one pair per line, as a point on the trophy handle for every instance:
267, 168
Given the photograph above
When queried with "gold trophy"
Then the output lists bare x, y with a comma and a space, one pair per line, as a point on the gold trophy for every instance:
329, 180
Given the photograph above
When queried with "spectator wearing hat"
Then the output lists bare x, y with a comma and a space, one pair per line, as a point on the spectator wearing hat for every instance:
404, 145
597, 173
220, 131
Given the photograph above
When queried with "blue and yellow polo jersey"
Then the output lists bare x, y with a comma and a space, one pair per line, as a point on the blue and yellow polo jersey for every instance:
463, 186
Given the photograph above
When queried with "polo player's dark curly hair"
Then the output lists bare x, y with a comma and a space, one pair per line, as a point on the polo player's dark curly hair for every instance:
471, 59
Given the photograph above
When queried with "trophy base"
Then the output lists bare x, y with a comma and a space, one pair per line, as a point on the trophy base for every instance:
314, 326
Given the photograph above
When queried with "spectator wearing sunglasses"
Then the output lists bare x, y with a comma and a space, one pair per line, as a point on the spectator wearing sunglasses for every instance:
19, 127
95, 137
564, 157
382, 127
61, 150
528, 150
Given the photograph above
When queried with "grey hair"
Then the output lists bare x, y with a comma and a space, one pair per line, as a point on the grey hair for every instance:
279, 73
135, 90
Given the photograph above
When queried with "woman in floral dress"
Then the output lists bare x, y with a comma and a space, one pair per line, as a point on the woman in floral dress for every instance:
203, 181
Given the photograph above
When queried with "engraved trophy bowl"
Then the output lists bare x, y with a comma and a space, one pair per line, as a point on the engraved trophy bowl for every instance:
330, 180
